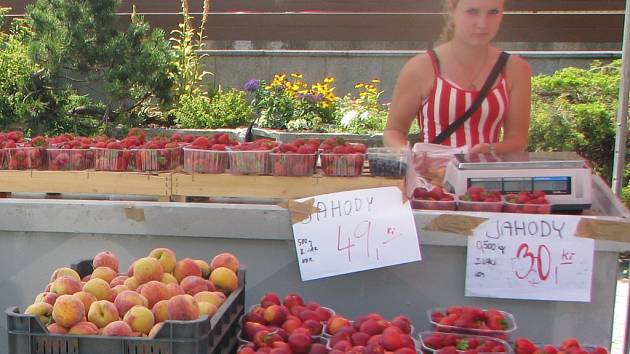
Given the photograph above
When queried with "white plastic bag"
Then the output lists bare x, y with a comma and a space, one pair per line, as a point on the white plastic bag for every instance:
428, 162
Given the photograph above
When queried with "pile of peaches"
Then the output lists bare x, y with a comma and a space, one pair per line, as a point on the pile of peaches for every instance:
155, 289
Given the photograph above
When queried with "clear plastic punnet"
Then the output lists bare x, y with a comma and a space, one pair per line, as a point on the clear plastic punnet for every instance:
205, 161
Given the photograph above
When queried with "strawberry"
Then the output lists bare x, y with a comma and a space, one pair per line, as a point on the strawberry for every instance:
524, 346
569, 343
549, 349
599, 350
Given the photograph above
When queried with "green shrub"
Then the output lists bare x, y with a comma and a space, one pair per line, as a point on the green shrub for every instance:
224, 109
575, 110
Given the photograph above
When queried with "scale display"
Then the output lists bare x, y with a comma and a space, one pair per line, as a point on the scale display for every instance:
556, 185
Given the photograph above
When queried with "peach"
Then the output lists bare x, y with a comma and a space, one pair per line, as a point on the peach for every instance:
119, 289
205, 268
255, 315
68, 311
335, 323
250, 329
147, 269
65, 285
275, 314
86, 298
55, 328
308, 315
227, 260
214, 297
154, 291
270, 299
102, 313
168, 278
117, 329
160, 311
131, 283
47, 297
193, 284
42, 310
84, 328
128, 299
64, 271
174, 289
405, 350
155, 330
186, 267
292, 299
130, 269
106, 259
118, 280
343, 345
183, 308
104, 273
207, 308
140, 319
99, 288
166, 257
224, 279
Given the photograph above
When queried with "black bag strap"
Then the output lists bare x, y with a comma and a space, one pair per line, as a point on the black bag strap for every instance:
492, 77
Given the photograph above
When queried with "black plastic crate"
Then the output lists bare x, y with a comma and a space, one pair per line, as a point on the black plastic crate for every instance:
217, 335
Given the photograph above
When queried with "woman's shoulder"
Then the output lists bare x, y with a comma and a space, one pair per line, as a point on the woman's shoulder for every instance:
516, 65
417, 69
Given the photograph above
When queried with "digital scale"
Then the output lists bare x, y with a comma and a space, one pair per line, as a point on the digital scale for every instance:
564, 176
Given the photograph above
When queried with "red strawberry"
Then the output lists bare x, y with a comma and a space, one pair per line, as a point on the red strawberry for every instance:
569, 343
549, 349
524, 346
599, 350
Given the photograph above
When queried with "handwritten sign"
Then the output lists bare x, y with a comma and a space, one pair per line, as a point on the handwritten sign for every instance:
354, 231
533, 257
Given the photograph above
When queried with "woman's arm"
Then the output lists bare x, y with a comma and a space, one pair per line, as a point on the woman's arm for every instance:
406, 101
516, 126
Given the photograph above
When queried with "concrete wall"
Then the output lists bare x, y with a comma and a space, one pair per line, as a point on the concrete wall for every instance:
232, 68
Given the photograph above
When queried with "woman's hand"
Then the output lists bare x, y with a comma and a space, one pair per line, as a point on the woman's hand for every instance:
482, 148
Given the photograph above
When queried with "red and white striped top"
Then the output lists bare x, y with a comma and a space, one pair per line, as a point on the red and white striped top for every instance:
447, 102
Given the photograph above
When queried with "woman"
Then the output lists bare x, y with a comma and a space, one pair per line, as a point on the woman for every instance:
438, 86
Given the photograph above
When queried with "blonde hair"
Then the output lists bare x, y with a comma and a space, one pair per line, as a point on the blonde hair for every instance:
449, 27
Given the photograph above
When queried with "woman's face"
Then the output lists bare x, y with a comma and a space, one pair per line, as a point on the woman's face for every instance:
477, 21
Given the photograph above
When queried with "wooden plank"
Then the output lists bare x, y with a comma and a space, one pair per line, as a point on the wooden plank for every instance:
226, 185
603, 27
89, 182
388, 6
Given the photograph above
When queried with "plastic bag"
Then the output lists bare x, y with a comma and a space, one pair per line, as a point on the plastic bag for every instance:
429, 163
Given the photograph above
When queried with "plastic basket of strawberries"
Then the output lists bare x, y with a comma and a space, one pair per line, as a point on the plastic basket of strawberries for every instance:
252, 157
295, 158
159, 154
455, 343
70, 153
472, 320
340, 158
208, 155
569, 346
434, 199
29, 155
479, 199
527, 203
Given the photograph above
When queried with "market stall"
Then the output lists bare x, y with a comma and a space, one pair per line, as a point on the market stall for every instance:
39, 234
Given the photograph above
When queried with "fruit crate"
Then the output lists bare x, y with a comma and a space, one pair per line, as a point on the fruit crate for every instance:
154, 160
387, 162
205, 161
217, 335
250, 162
495, 333
23, 158
70, 159
344, 165
115, 160
283, 164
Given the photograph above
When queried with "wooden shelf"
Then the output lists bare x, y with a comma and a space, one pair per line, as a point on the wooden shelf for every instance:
175, 185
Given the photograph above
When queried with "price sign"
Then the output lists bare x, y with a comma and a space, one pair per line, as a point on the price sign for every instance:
354, 231
534, 257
